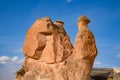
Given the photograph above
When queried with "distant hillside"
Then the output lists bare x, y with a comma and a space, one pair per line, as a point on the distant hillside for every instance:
105, 74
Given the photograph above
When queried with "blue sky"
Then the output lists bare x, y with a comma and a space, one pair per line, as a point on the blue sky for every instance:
16, 16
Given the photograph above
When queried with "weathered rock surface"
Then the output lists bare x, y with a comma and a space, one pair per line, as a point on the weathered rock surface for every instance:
49, 54
80, 63
47, 42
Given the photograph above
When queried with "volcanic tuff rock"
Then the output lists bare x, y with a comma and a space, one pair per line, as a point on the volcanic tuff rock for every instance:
49, 54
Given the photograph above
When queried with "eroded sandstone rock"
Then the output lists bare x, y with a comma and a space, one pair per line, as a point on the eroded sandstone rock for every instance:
85, 50
49, 54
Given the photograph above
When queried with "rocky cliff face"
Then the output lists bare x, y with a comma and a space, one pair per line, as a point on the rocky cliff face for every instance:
49, 54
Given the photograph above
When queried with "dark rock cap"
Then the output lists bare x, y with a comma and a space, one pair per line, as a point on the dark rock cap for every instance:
84, 18
58, 21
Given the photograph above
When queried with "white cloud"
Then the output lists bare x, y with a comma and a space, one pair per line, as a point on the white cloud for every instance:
4, 59
69, 0
11, 60
14, 58
97, 62
10, 67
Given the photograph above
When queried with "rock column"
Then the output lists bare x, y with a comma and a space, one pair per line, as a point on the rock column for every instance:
85, 49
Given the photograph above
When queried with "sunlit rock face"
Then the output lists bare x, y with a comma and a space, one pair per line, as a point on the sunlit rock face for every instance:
84, 52
49, 54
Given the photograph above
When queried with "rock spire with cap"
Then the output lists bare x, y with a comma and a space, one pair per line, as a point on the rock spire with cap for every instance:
85, 50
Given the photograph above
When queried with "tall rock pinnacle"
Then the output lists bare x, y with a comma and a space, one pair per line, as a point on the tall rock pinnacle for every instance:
84, 52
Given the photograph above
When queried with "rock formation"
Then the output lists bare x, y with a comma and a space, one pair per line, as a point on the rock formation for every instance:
105, 74
84, 52
49, 54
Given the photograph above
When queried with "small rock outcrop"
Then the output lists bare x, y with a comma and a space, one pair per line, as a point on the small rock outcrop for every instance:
49, 54
105, 74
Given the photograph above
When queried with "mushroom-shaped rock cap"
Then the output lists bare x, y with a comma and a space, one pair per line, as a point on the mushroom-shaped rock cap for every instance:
84, 18
59, 23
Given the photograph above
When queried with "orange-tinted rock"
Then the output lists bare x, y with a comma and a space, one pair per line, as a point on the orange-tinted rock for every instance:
49, 54
63, 44
47, 42
35, 40
85, 51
